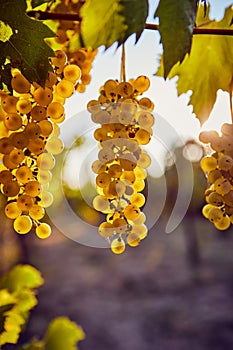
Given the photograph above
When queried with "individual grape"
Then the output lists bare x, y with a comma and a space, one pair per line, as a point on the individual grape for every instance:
38, 113
46, 199
139, 185
227, 129
225, 162
8, 104
7, 162
140, 230
20, 84
23, 106
19, 139
141, 84
209, 163
46, 127
24, 174
215, 214
44, 176
12, 211
5, 176
43, 96
222, 186
118, 246
133, 239
110, 88
115, 170
138, 199
36, 212
6, 145
144, 160
227, 143
11, 188
120, 225
55, 110
98, 167
140, 219
106, 155
54, 145
228, 198
106, 229
129, 176
223, 224
32, 188
45, 161
60, 59
16, 156
206, 209
101, 204
22, 224
145, 119
215, 199
32, 131
43, 230
208, 136
124, 89
65, 88
131, 212
143, 136
72, 72
24, 202
36, 146
128, 162
214, 175
103, 180
13, 121
146, 103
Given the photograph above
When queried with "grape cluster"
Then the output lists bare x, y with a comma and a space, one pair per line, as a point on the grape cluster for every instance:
125, 124
30, 118
67, 37
218, 168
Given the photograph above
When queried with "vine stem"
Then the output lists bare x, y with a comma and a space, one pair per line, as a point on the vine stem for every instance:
44, 15
123, 75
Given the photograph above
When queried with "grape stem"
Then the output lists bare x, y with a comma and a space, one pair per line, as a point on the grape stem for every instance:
44, 15
123, 75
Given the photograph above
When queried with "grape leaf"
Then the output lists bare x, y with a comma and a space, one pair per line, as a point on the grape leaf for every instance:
176, 23
5, 32
21, 276
26, 48
208, 68
108, 21
63, 334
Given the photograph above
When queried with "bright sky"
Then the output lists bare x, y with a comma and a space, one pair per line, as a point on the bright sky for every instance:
142, 59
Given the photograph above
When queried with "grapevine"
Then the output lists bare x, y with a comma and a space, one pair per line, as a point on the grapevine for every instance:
30, 118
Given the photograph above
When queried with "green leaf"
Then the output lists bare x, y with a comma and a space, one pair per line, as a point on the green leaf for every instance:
63, 334
208, 68
107, 21
176, 23
5, 31
22, 276
135, 13
26, 48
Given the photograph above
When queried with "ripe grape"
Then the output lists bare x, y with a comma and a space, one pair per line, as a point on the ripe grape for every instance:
43, 230
22, 224
12, 210
118, 246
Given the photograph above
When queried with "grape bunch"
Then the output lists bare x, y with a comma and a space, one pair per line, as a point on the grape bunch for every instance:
67, 32
125, 125
218, 167
29, 125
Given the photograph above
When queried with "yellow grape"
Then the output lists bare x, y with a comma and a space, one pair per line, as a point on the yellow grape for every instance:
215, 214
140, 230
36, 212
225, 162
32, 188
133, 239
131, 212
32, 130
45, 161
11, 188
6, 145
222, 186
103, 180
46, 199
24, 202
20, 84
43, 230
141, 84
65, 88
12, 211
23, 106
100, 203
223, 224
24, 174
209, 163
8, 104
38, 113
72, 72
19, 139
13, 121
138, 199
118, 246
55, 110
106, 229
5, 176
54, 145
43, 96
46, 127
22, 224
